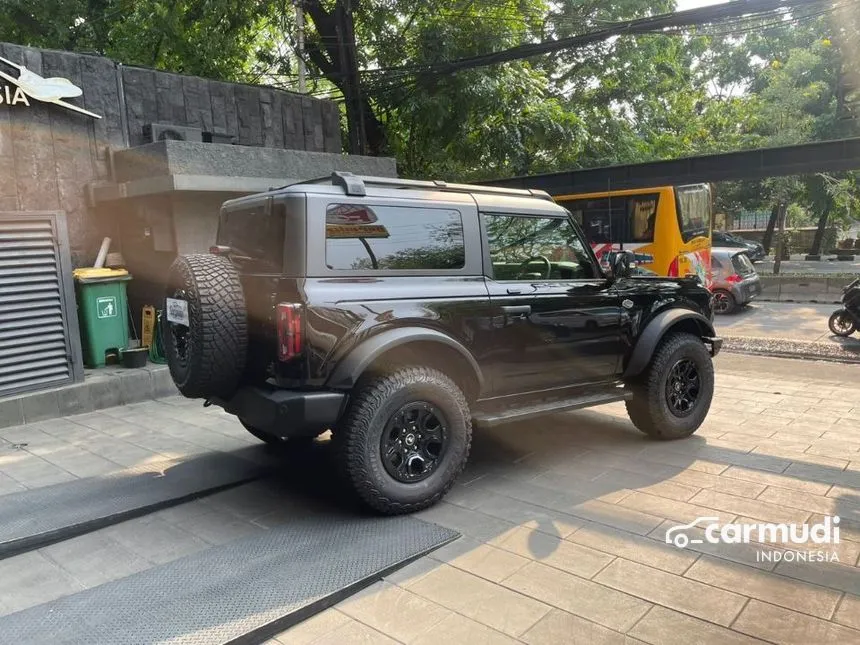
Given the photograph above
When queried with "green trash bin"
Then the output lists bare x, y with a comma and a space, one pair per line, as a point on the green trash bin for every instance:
103, 313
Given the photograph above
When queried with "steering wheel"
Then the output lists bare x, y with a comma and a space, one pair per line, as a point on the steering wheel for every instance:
541, 258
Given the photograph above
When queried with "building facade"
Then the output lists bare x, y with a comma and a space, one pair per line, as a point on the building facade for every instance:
90, 149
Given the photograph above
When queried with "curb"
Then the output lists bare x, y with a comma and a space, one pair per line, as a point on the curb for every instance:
811, 301
793, 348
103, 388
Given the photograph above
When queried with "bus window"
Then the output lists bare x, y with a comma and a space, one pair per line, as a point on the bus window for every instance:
642, 214
694, 210
603, 220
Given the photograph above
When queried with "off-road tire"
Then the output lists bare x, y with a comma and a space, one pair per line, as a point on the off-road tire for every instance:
729, 304
217, 338
357, 438
649, 410
293, 443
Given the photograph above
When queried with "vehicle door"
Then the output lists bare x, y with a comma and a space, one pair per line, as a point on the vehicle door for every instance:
556, 317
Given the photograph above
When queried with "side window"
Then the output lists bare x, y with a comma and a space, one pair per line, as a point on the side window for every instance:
256, 236
534, 248
603, 220
715, 263
365, 237
642, 215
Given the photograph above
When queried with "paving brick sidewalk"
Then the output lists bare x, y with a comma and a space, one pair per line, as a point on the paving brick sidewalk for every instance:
563, 520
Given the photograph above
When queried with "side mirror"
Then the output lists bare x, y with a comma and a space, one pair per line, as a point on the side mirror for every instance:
622, 264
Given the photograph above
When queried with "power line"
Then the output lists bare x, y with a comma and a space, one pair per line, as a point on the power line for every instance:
731, 17
655, 24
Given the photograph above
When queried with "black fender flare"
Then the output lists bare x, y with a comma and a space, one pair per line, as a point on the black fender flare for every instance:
352, 366
657, 328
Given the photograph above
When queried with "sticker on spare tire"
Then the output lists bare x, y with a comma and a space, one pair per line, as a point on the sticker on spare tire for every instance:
177, 312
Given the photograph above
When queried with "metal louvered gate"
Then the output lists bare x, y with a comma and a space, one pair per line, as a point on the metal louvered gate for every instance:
39, 339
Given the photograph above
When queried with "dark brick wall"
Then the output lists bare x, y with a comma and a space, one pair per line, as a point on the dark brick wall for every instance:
48, 154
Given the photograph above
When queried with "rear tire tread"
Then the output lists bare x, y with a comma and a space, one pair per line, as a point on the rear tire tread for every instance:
351, 437
219, 324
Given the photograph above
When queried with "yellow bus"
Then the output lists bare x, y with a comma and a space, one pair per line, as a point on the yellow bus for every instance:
668, 228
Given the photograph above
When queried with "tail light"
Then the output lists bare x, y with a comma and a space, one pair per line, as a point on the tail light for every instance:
673, 269
289, 330
734, 278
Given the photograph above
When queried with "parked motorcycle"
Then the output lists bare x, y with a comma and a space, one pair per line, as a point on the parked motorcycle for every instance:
846, 320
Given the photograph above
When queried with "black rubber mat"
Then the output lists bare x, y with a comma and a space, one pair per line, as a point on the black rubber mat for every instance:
243, 592
36, 518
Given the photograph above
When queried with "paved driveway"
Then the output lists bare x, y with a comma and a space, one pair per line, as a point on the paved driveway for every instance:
563, 520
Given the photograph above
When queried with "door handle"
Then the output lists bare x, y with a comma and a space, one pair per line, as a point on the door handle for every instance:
513, 310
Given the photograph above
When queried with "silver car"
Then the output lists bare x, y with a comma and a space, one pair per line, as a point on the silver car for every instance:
736, 282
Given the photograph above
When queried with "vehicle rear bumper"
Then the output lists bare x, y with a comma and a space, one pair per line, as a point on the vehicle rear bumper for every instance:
285, 413
747, 291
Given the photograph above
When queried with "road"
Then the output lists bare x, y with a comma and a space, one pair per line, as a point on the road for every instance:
796, 321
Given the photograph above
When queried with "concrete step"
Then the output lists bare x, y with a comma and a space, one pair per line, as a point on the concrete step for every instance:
102, 388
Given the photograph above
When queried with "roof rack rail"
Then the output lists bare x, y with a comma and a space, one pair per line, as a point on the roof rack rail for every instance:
355, 185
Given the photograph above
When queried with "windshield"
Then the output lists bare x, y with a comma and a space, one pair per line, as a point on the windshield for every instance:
694, 210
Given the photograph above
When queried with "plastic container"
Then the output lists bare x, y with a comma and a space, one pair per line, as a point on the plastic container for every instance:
103, 313
135, 358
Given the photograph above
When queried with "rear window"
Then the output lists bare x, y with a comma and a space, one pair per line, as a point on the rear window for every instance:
694, 210
742, 264
379, 238
255, 237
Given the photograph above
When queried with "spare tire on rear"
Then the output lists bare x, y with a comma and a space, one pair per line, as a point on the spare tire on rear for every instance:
207, 355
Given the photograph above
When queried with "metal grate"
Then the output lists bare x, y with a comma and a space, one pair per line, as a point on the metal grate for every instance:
35, 518
35, 344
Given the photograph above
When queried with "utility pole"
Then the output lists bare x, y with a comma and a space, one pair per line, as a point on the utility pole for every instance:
780, 241
300, 40
767, 240
355, 80
348, 59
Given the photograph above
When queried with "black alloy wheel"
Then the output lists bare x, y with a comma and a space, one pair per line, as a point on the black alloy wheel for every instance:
414, 442
682, 387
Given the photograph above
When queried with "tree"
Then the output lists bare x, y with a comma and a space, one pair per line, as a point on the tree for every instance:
213, 38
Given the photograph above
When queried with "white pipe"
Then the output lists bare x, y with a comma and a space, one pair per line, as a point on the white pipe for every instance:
102, 256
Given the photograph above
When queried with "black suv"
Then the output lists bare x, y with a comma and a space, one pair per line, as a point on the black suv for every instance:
399, 313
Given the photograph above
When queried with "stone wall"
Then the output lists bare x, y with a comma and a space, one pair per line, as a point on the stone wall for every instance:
253, 116
48, 154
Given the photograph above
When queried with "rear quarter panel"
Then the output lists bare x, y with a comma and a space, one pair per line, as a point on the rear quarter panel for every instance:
344, 312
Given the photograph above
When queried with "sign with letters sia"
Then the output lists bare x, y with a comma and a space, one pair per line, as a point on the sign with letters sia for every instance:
29, 85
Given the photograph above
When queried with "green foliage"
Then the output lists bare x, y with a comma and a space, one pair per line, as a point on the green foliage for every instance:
213, 38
